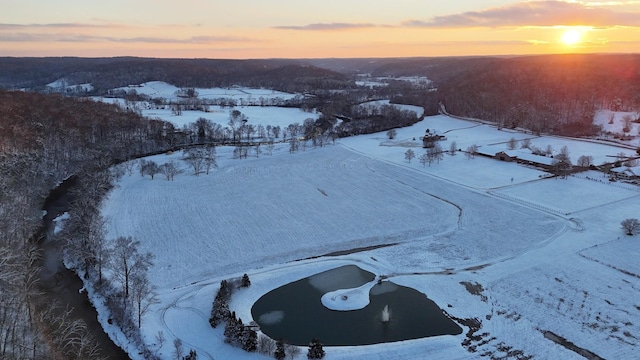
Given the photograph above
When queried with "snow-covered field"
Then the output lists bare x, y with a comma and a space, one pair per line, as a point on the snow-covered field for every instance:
160, 89
249, 101
547, 254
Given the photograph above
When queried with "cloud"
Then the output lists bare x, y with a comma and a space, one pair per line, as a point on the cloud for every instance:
534, 13
525, 13
329, 26
83, 38
57, 26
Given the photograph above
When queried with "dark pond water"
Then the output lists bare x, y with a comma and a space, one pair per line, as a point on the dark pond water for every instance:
294, 312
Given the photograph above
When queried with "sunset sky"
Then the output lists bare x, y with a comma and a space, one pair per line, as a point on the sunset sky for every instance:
313, 29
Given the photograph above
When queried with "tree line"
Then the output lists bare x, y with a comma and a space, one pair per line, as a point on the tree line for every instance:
110, 73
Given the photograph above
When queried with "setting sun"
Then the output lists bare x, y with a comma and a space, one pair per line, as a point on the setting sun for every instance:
571, 36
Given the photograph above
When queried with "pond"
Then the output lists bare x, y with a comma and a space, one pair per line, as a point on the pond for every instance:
295, 312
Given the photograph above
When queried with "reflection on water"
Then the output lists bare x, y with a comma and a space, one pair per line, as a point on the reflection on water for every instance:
271, 318
295, 313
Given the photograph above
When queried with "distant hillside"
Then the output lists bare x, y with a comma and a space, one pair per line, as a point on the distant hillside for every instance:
109, 73
546, 93
552, 93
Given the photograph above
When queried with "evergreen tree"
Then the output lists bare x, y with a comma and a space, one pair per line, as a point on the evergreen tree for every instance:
315, 350
220, 310
279, 354
233, 330
229, 327
249, 339
192, 355
245, 281
225, 289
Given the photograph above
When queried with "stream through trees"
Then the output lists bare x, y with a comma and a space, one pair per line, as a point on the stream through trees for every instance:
61, 285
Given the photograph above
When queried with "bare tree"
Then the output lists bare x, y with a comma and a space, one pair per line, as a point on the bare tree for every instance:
210, 159
630, 226
236, 121
143, 293
512, 144
391, 133
409, 154
141, 166
293, 129
249, 130
626, 123
548, 150
585, 161
195, 158
621, 156
526, 143
292, 351
178, 350
69, 337
160, 338
151, 168
294, 144
261, 131
436, 152
170, 169
99, 252
129, 165
425, 158
241, 151
127, 261
266, 345
453, 147
471, 152
276, 131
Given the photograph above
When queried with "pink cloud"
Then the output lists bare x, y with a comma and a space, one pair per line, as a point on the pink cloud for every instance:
534, 13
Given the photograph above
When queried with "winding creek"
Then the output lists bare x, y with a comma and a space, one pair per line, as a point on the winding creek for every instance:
61, 285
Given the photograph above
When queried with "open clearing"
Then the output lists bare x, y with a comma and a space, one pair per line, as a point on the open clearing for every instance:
537, 255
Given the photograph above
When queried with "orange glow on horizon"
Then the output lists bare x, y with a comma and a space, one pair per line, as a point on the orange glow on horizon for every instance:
404, 28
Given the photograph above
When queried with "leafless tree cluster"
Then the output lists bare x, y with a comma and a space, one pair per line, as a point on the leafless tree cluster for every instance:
44, 140
435, 153
471, 151
201, 159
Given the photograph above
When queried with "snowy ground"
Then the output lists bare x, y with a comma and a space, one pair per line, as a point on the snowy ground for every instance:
160, 89
265, 115
544, 254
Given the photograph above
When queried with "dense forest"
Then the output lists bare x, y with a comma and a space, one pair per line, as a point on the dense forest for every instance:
549, 94
109, 73
556, 94
44, 139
